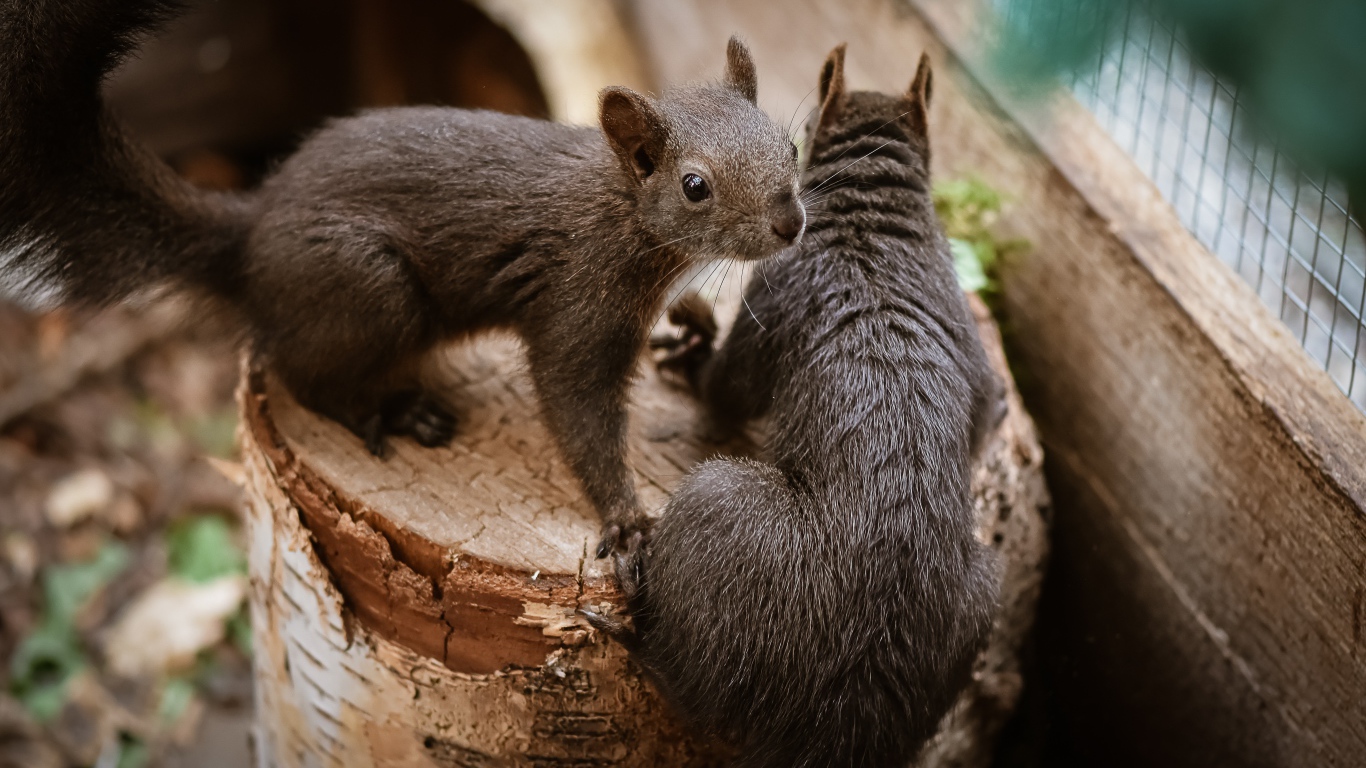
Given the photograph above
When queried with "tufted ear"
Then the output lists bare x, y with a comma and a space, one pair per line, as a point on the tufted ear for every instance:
832, 87
740, 73
918, 99
633, 129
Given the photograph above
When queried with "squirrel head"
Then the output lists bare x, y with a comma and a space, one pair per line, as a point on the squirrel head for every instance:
897, 117
714, 175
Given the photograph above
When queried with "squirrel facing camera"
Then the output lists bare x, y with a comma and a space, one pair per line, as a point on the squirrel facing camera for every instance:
393, 232
822, 607
735, 199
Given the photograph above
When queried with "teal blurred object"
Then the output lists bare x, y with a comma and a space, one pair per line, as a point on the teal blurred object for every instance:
1299, 65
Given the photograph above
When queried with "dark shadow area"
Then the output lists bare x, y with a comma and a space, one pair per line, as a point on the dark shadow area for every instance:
234, 85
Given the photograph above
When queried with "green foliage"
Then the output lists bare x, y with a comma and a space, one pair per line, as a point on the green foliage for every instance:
968, 264
239, 631
968, 207
51, 655
133, 753
176, 696
203, 548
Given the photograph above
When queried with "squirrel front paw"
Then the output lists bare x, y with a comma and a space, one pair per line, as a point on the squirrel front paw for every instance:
623, 534
686, 353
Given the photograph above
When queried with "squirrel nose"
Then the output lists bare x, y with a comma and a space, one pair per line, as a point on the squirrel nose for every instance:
788, 224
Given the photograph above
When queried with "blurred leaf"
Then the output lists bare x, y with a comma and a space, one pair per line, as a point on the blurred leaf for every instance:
175, 699
49, 656
203, 548
67, 587
968, 207
966, 263
239, 631
43, 702
133, 753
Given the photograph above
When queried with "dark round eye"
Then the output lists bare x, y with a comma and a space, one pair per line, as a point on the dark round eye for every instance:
695, 188
794, 150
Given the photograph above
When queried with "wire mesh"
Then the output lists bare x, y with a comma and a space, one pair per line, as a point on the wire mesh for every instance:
1293, 236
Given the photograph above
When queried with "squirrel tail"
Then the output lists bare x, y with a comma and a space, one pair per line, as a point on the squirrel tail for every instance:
87, 216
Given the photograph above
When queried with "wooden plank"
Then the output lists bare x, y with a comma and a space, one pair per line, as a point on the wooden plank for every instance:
1210, 584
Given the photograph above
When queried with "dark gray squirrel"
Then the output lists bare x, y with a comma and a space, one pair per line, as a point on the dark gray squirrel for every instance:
391, 232
822, 608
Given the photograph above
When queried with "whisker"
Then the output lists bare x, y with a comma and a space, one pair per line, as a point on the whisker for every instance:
836, 174
745, 301
854, 142
719, 287
799, 106
669, 276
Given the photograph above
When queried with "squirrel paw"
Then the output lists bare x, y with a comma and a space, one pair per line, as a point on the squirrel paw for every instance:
422, 418
624, 535
613, 627
688, 352
630, 571
414, 414
630, 579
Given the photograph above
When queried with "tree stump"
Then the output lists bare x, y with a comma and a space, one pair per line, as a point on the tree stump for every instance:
421, 610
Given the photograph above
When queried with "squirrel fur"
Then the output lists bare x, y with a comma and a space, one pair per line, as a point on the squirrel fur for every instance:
389, 233
822, 608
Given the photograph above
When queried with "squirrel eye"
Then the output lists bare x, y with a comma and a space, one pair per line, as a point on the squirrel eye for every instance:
695, 188
794, 150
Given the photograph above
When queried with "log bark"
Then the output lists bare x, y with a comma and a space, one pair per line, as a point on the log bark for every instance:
421, 611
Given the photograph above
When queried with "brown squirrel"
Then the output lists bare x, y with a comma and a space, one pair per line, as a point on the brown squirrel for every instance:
822, 608
391, 232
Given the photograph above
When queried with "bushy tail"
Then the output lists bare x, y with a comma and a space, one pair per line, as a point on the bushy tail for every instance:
87, 216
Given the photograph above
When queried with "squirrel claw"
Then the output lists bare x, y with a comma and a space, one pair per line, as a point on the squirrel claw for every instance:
610, 535
419, 416
687, 353
628, 537
629, 572
611, 627
372, 432
684, 353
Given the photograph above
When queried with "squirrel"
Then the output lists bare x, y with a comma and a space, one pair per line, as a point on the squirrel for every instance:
388, 233
823, 607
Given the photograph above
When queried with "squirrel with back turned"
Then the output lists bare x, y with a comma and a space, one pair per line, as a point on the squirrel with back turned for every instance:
391, 232
822, 608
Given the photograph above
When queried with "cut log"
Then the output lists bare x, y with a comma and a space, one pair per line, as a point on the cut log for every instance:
422, 610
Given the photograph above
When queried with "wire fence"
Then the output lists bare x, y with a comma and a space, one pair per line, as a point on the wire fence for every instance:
1293, 236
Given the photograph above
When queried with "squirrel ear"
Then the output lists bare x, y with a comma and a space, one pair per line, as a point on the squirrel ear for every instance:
832, 86
918, 98
740, 72
633, 128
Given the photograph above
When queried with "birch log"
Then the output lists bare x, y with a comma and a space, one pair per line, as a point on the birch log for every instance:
421, 611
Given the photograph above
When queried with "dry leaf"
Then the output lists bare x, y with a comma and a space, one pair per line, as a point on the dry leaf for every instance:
171, 622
